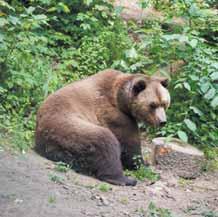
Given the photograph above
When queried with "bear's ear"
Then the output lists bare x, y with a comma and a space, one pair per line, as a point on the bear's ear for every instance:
164, 81
138, 86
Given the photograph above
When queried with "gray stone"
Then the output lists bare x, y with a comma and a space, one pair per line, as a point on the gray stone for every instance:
182, 158
132, 11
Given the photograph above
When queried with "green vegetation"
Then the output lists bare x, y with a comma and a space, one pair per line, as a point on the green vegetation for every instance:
212, 163
143, 173
124, 200
45, 44
202, 209
154, 211
62, 167
55, 178
51, 199
104, 187
184, 182
210, 214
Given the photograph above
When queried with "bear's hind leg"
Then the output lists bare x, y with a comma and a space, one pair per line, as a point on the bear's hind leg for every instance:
89, 143
108, 162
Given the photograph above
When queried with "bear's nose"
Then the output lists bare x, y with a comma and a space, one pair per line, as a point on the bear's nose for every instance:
163, 123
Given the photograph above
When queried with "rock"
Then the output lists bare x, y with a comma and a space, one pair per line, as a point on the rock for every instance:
170, 69
160, 189
18, 201
101, 200
132, 11
174, 24
181, 158
126, 213
104, 201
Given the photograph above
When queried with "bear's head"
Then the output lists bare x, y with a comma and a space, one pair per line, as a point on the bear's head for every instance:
146, 99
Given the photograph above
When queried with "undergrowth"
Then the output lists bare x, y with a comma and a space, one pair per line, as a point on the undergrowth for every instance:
154, 211
142, 173
47, 44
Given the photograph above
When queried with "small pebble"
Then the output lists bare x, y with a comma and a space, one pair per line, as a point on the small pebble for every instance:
18, 201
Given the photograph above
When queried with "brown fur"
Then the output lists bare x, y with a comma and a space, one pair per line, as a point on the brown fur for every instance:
92, 123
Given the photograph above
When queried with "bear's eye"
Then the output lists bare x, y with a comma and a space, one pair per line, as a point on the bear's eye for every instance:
153, 106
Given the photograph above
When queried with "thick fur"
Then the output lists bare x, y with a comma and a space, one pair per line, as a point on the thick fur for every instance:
92, 123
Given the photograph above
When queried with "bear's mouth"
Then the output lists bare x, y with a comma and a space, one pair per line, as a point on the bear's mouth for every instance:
146, 123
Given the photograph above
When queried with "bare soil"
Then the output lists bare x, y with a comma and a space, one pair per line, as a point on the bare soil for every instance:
31, 187
133, 11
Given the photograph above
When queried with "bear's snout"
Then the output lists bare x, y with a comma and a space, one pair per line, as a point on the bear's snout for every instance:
163, 123
161, 116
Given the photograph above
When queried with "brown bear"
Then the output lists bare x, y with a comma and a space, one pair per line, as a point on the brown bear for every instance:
92, 123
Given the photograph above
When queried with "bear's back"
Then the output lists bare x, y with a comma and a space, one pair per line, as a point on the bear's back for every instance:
80, 98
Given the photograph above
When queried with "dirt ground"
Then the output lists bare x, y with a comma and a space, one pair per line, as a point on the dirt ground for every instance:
31, 187
131, 10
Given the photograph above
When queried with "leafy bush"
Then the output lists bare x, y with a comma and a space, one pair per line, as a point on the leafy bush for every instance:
154, 211
143, 173
194, 90
197, 89
46, 44
62, 167
104, 187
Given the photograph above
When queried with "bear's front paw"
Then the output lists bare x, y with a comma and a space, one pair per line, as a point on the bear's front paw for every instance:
130, 181
123, 181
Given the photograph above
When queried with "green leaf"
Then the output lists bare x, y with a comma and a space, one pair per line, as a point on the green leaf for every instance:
196, 110
214, 65
190, 124
63, 7
183, 38
1, 38
30, 10
194, 77
143, 3
193, 43
179, 37
3, 22
214, 76
85, 26
194, 10
204, 87
187, 86
118, 10
182, 135
6, 5
178, 86
14, 20
210, 93
88, 2
131, 53
40, 17
214, 102
52, 9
